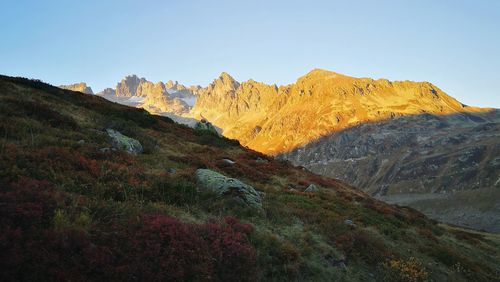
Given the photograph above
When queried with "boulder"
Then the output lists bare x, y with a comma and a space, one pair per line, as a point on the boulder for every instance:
206, 126
123, 142
226, 186
260, 160
349, 222
312, 188
229, 161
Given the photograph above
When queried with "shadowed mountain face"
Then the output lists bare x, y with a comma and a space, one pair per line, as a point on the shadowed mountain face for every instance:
425, 161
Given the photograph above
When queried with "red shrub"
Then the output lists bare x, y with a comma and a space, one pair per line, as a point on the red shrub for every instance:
163, 248
166, 249
234, 257
27, 203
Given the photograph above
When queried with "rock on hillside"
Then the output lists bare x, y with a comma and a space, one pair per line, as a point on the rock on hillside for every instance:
228, 187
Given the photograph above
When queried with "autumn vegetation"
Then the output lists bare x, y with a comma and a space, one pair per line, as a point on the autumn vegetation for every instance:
71, 211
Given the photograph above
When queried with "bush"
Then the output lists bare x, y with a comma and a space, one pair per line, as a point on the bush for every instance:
172, 190
28, 204
406, 270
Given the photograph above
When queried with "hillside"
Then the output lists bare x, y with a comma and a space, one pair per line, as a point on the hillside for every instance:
76, 206
414, 160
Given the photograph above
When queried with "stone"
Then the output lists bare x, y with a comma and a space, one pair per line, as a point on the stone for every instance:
312, 188
349, 222
261, 160
123, 142
204, 124
225, 186
107, 150
172, 170
229, 161
80, 142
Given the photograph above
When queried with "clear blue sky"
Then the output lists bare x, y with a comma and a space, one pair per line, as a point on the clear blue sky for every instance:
453, 44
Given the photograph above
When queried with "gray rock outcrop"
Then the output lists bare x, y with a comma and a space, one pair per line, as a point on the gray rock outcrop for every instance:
123, 142
226, 186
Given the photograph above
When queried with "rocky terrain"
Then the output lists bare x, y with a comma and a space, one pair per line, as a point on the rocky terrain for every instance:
403, 159
91, 190
387, 138
158, 98
81, 87
275, 120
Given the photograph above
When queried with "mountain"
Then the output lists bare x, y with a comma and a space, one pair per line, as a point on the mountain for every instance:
405, 142
275, 120
81, 87
443, 165
159, 98
93, 190
107, 92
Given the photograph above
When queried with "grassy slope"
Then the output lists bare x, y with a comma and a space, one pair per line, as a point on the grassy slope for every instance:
53, 184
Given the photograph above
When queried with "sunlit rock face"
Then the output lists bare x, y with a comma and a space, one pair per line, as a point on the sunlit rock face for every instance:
276, 120
158, 98
81, 87
127, 87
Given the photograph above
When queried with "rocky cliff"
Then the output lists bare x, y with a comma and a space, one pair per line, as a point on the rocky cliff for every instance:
159, 98
81, 87
276, 120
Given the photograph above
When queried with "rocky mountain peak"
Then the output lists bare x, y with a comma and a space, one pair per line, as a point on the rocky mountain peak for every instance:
127, 87
107, 92
227, 79
81, 87
171, 84
321, 74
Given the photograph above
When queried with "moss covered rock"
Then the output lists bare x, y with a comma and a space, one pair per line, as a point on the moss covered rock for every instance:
123, 142
206, 126
226, 186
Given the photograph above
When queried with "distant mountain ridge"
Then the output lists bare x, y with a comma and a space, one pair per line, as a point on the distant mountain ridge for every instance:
170, 97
